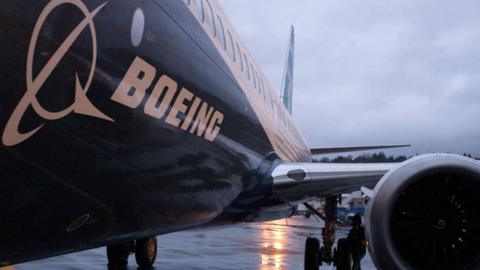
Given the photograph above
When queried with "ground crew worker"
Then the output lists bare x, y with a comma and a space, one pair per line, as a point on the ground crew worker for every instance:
357, 242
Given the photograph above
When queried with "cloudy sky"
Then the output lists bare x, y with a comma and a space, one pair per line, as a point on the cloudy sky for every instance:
374, 72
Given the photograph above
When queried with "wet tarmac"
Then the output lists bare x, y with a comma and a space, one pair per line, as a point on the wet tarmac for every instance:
263, 246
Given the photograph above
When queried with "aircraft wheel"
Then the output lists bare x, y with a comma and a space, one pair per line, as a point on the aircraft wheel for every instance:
118, 254
146, 252
342, 256
312, 258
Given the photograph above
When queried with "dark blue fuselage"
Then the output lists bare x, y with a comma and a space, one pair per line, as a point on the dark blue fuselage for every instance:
80, 182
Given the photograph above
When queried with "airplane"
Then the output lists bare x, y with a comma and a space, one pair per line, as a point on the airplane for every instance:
123, 120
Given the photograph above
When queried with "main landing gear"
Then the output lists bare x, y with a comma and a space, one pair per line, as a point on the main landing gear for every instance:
145, 253
315, 254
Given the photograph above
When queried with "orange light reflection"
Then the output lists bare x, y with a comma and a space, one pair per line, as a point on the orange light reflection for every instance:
274, 243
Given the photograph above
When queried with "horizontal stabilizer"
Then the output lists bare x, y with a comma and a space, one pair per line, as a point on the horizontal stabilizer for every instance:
321, 151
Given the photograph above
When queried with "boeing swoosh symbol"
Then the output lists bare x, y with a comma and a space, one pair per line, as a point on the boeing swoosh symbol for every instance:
11, 135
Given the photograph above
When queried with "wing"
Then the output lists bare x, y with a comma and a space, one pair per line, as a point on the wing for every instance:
330, 150
296, 182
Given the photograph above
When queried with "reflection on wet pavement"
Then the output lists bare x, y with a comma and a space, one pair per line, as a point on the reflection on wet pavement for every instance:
264, 246
274, 244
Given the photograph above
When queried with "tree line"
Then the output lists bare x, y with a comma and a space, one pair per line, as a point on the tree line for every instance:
379, 157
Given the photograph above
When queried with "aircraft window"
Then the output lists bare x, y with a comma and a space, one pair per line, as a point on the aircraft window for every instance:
239, 55
230, 49
260, 83
198, 4
246, 65
208, 16
253, 75
272, 107
268, 99
261, 90
221, 34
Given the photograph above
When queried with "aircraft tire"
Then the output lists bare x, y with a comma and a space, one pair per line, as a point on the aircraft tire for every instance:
118, 254
312, 256
342, 257
146, 252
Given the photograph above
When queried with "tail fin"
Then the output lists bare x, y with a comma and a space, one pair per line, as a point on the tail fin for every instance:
287, 83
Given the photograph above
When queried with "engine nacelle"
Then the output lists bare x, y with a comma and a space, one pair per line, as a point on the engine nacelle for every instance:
426, 215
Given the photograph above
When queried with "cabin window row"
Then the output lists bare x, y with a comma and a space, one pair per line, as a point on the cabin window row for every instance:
204, 11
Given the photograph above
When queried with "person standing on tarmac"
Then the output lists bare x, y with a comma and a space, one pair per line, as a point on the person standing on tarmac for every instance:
357, 242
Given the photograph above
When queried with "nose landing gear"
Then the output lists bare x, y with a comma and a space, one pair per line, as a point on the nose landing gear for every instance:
145, 253
117, 254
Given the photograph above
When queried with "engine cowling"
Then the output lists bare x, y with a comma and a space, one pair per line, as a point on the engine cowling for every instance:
426, 215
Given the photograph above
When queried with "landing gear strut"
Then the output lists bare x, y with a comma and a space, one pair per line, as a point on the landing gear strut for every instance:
328, 233
325, 253
145, 253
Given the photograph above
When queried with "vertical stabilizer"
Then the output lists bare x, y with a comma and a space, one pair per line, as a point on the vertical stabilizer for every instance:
287, 83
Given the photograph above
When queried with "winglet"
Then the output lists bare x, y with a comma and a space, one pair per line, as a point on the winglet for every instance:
368, 192
287, 83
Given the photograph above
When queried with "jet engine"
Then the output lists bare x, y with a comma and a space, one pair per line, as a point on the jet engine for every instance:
425, 214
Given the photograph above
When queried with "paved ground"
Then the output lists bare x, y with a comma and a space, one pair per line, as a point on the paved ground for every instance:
263, 246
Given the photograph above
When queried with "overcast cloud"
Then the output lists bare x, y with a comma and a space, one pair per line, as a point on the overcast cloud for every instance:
374, 72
